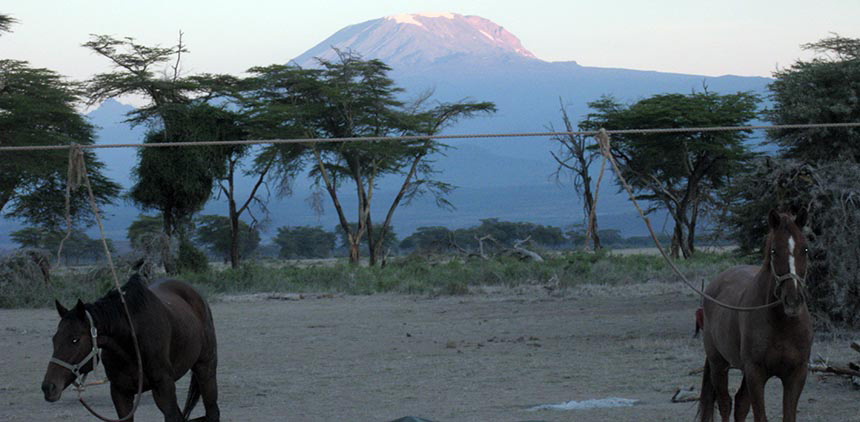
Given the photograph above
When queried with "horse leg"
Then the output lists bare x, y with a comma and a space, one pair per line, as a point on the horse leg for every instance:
205, 373
123, 402
720, 378
742, 402
792, 386
164, 393
706, 398
756, 378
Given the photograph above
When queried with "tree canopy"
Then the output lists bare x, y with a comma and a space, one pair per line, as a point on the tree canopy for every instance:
215, 232
37, 107
822, 90
679, 172
304, 242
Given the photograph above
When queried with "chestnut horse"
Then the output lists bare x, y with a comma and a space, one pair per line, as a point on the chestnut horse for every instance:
765, 343
175, 333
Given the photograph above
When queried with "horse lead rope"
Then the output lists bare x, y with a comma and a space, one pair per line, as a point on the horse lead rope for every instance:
78, 172
603, 139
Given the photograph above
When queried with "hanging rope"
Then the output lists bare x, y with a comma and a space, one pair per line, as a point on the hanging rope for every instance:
73, 182
603, 140
77, 177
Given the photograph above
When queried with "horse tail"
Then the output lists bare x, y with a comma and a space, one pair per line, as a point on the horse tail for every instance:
706, 397
193, 397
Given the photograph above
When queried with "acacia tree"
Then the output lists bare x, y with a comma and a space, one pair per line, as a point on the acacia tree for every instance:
178, 111
359, 100
37, 107
821, 90
352, 97
575, 157
216, 232
304, 242
680, 172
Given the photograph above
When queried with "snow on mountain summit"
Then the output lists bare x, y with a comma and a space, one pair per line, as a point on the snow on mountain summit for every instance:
421, 38
410, 17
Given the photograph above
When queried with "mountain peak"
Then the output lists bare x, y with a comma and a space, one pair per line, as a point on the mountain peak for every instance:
409, 18
408, 40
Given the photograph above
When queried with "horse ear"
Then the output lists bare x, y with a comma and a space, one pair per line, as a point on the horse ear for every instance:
60, 308
801, 217
774, 220
80, 309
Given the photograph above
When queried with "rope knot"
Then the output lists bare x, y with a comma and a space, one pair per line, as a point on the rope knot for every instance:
77, 167
603, 141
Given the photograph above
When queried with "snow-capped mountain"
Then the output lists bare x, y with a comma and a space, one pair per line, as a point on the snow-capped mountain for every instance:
408, 40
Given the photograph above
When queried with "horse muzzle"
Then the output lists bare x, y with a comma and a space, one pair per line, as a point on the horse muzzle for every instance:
52, 391
793, 301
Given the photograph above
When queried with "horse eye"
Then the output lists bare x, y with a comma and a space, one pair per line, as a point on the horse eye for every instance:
76, 340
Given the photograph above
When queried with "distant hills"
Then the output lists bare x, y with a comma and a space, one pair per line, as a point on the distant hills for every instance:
461, 57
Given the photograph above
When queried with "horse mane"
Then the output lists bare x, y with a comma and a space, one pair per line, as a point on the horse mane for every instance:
108, 311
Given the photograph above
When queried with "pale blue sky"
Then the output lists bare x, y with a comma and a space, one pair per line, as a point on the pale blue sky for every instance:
742, 37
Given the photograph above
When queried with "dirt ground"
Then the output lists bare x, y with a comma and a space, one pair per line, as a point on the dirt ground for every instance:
488, 356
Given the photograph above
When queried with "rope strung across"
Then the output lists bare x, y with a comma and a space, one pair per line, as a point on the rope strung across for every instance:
425, 137
77, 176
603, 141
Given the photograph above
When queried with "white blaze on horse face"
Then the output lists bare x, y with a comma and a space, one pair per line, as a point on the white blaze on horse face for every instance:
791, 266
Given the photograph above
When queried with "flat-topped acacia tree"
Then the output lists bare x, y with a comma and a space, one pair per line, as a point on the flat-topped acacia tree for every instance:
353, 97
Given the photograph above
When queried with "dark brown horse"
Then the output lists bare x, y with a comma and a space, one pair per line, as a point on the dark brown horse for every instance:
175, 333
765, 343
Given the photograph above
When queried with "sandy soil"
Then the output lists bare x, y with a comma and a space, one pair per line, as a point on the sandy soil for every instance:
488, 356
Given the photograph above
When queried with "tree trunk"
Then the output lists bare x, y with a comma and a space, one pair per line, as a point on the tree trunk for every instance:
354, 254
166, 257
691, 228
371, 242
592, 220
352, 240
676, 241
684, 237
234, 218
234, 236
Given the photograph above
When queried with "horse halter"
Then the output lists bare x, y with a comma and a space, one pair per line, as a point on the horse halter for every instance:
80, 378
780, 279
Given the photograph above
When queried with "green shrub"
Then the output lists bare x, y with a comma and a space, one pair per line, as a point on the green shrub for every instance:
191, 259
